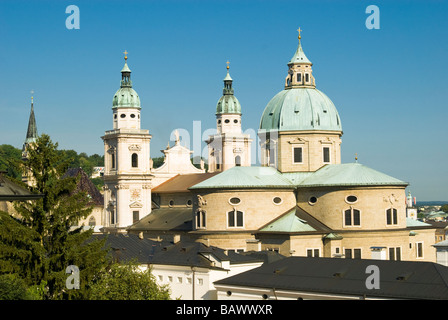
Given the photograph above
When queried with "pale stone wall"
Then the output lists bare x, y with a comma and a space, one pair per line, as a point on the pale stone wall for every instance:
312, 144
372, 202
257, 206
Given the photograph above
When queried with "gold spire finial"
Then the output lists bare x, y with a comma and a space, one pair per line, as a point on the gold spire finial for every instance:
299, 30
228, 64
356, 157
125, 55
32, 99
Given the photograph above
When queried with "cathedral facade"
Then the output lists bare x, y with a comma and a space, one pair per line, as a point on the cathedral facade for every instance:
301, 201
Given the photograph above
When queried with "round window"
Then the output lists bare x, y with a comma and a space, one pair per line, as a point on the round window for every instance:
227, 121
132, 115
235, 121
123, 115
351, 199
277, 200
171, 203
189, 203
312, 200
235, 200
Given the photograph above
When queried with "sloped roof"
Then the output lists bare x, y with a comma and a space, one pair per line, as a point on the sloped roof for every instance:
10, 191
182, 182
398, 279
246, 177
348, 174
165, 219
85, 184
127, 247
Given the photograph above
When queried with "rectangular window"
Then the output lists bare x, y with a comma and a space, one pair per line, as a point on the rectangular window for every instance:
135, 216
348, 253
356, 217
307, 77
391, 216
200, 219
299, 77
235, 218
310, 253
357, 253
326, 154
419, 246
298, 155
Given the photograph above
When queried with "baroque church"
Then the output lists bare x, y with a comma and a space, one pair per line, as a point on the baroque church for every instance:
301, 200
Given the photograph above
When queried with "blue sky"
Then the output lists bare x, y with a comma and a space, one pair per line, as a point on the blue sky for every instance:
389, 85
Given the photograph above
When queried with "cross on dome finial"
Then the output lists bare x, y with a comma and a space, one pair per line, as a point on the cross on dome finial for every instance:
356, 157
32, 99
125, 55
299, 30
228, 64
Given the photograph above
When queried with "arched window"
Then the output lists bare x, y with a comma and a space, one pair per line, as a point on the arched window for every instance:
238, 161
391, 216
134, 160
352, 217
235, 219
92, 221
200, 219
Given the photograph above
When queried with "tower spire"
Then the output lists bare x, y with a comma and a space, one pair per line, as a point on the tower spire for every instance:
228, 90
300, 72
31, 134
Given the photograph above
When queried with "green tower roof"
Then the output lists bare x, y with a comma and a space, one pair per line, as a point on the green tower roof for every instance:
228, 103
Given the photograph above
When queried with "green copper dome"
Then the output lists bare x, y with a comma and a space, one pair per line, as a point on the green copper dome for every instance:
228, 103
126, 98
300, 109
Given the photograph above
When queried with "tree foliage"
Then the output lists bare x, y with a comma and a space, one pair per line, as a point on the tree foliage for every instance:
127, 282
40, 245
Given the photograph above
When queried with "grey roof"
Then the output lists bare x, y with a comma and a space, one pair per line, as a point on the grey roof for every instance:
127, 247
165, 219
398, 279
10, 191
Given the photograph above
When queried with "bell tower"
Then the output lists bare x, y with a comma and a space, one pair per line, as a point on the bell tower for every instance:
229, 147
127, 177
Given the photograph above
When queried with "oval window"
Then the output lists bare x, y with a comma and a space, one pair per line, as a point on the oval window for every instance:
189, 203
122, 115
132, 115
277, 200
312, 200
235, 121
115, 116
227, 121
351, 199
171, 203
235, 200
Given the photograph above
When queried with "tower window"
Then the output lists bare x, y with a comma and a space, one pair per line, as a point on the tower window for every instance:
298, 158
307, 77
134, 161
326, 151
238, 161
135, 216
299, 77
112, 160
235, 121
132, 115
227, 121
123, 115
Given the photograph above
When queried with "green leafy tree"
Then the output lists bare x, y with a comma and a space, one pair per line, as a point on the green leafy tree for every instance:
444, 208
127, 282
41, 244
10, 160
